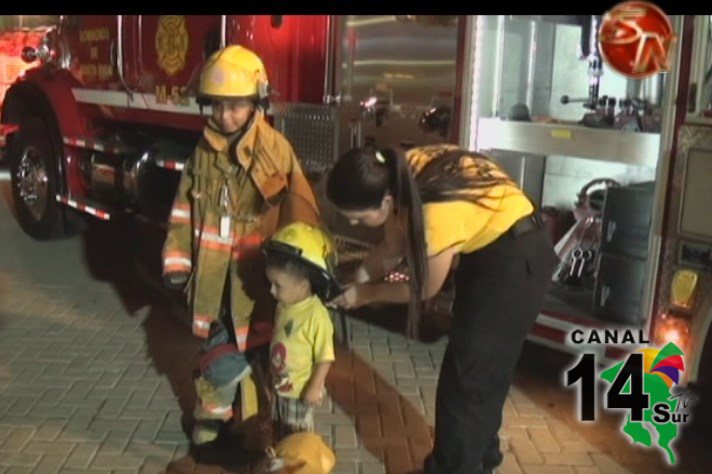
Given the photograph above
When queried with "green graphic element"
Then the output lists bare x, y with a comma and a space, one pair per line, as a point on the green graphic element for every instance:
658, 387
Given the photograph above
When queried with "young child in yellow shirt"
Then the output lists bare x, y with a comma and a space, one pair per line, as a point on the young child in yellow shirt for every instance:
299, 265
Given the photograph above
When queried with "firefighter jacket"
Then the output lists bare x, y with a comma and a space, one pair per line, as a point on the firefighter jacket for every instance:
230, 198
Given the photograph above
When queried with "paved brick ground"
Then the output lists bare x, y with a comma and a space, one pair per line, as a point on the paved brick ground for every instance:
95, 377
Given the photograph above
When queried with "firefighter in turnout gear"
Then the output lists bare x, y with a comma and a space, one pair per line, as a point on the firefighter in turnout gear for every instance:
241, 184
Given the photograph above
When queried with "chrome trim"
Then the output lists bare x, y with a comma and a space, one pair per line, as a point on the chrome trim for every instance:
131, 173
223, 31
101, 97
697, 66
633, 148
499, 60
329, 96
468, 104
64, 60
32, 182
136, 101
140, 44
120, 47
531, 64
120, 53
667, 137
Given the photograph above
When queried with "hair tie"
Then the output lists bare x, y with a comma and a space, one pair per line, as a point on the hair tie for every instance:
379, 157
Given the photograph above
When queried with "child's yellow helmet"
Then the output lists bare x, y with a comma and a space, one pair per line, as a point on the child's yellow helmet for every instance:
307, 242
234, 72
304, 453
310, 245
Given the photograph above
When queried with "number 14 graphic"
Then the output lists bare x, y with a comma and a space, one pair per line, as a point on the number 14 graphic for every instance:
621, 394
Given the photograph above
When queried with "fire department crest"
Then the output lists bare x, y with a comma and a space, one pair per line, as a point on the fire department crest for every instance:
171, 43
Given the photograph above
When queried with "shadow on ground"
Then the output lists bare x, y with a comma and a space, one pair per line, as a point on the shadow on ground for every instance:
127, 254
391, 429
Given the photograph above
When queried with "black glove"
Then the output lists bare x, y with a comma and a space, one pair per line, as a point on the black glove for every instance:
175, 280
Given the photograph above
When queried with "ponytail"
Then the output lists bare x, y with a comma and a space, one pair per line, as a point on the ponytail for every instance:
408, 205
460, 175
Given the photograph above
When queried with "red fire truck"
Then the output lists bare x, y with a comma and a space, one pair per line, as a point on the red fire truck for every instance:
105, 125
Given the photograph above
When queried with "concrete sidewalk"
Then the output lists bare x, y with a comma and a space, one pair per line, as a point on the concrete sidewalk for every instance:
95, 376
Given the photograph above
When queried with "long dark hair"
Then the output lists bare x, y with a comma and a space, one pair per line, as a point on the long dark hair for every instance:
459, 175
359, 180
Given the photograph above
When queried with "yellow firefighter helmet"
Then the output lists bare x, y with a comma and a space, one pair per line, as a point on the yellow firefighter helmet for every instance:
304, 453
234, 72
312, 246
306, 242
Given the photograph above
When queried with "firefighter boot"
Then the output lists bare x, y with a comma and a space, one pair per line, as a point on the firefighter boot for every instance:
214, 408
209, 413
205, 431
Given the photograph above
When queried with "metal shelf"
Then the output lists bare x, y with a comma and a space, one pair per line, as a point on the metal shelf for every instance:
634, 148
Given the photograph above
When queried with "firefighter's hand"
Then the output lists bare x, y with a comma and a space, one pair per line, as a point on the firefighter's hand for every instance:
313, 396
175, 281
352, 297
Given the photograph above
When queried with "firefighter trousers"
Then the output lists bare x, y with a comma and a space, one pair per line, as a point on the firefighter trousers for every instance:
218, 382
499, 291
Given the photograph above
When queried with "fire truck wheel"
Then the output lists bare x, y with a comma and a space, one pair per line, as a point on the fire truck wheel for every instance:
33, 169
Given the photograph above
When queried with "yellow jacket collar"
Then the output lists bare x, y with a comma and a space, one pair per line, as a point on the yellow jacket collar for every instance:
219, 142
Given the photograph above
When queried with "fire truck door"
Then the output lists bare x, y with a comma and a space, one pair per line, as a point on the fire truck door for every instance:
94, 44
130, 67
398, 79
170, 52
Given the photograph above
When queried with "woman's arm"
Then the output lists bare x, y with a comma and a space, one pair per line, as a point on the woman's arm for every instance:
384, 256
362, 294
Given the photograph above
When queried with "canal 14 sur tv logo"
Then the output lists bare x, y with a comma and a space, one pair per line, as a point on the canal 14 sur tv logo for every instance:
644, 385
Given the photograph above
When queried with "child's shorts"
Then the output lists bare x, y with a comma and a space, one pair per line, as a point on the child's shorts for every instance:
291, 415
